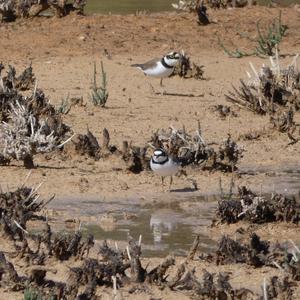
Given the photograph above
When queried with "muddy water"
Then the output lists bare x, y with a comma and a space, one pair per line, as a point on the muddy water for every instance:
167, 222
284, 179
164, 228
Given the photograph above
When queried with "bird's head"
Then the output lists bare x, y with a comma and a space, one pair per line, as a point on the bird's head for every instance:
172, 58
160, 155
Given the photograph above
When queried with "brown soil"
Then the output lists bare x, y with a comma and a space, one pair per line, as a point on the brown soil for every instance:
62, 53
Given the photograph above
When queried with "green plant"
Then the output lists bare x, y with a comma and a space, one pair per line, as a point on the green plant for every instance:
236, 53
99, 94
31, 294
64, 107
267, 41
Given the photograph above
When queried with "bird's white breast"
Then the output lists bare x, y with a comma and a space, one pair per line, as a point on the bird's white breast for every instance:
167, 169
159, 71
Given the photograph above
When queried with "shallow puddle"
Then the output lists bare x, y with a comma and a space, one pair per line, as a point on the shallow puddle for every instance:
168, 222
164, 228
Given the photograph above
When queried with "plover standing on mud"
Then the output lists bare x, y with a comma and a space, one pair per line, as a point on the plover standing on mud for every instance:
163, 165
160, 67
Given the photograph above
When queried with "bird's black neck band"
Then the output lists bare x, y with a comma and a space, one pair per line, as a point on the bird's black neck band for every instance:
159, 162
165, 64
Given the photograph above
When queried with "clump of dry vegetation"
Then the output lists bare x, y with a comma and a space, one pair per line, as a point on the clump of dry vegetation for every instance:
253, 208
223, 111
11, 10
29, 123
274, 91
136, 158
194, 150
187, 69
270, 89
186, 148
257, 253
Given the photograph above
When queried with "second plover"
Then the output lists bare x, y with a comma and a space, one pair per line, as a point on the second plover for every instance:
160, 67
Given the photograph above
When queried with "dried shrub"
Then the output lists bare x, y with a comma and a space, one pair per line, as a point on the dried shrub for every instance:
203, 18
251, 135
194, 150
186, 69
257, 209
269, 90
29, 124
87, 144
210, 287
230, 251
280, 288
274, 91
17, 208
223, 111
256, 253
135, 157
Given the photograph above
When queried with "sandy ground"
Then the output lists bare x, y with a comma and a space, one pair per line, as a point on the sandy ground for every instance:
63, 65
62, 53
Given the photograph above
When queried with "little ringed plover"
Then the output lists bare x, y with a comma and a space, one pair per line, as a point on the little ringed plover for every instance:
160, 67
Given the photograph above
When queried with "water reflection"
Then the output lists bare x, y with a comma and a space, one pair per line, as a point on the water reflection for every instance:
164, 230
162, 222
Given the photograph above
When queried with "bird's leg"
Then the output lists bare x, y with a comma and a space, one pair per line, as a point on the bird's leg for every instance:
162, 183
161, 82
171, 181
152, 88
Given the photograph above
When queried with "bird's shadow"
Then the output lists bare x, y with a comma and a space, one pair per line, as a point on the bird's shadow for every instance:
184, 190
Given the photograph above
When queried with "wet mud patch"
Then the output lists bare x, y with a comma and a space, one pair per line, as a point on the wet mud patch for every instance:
283, 179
